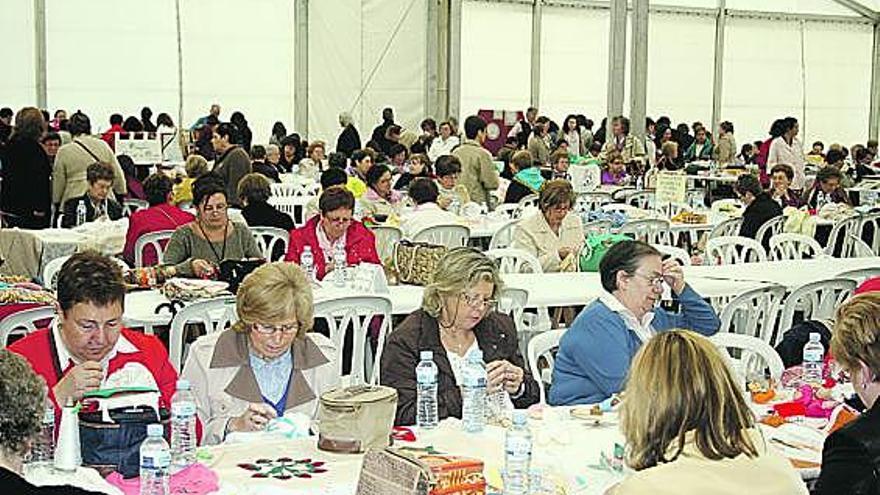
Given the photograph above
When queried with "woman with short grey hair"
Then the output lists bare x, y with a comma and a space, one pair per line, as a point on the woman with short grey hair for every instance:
457, 317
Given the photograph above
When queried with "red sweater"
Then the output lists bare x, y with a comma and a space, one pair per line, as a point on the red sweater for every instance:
360, 245
152, 219
37, 349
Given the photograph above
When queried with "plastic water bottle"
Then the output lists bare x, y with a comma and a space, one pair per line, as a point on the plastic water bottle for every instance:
517, 456
640, 183
81, 213
183, 426
43, 447
814, 359
426, 400
307, 262
473, 393
339, 264
155, 462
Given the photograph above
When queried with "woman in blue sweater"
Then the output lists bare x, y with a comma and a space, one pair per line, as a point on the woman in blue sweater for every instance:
595, 353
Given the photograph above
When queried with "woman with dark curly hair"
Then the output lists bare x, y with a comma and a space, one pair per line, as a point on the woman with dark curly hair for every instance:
22, 398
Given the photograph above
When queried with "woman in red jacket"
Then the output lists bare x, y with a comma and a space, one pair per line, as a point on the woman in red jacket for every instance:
334, 225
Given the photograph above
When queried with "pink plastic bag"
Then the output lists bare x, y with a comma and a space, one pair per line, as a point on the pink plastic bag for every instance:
194, 480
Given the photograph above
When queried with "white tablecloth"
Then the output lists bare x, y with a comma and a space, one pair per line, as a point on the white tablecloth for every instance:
564, 449
789, 273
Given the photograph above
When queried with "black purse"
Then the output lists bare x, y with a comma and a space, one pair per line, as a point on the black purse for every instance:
233, 272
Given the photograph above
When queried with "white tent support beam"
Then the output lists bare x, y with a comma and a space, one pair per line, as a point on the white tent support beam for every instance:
40, 73
179, 39
442, 61
301, 68
718, 64
874, 115
432, 59
535, 74
638, 69
616, 58
860, 8
454, 64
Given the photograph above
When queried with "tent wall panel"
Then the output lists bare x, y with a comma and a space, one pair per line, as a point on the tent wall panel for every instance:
17, 85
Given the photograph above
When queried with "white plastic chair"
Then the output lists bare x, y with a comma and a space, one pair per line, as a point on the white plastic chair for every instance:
840, 240
157, 240
751, 352
619, 207
387, 237
650, 230
53, 267
676, 253
622, 193
591, 201
512, 260
510, 210
512, 302
597, 227
215, 314
732, 249
59, 221
543, 346
641, 199
528, 201
859, 275
131, 205
718, 204
726, 228
268, 238
753, 312
816, 300
355, 314
872, 221
451, 235
769, 229
786, 246
857, 248
23, 322
503, 237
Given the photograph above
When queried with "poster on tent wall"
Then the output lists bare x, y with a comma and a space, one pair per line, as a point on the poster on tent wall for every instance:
498, 124
141, 151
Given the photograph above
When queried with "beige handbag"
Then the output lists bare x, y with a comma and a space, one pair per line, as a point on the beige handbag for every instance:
415, 262
354, 419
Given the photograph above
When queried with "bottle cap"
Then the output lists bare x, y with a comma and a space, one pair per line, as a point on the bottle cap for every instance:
426, 355
475, 355
155, 430
519, 417
815, 337
183, 384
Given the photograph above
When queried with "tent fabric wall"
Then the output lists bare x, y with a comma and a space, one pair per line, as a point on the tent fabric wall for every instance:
17, 84
365, 55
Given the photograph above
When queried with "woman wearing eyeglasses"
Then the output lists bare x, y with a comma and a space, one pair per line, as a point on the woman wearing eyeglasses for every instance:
197, 248
334, 226
595, 353
554, 234
457, 316
268, 363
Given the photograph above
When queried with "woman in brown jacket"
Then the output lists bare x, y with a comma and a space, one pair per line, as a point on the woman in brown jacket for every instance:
457, 316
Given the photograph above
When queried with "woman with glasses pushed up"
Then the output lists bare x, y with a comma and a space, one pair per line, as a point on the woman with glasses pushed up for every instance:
334, 226
596, 351
457, 316
268, 363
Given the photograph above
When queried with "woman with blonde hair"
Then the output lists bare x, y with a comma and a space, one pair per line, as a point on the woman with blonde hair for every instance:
688, 427
457, 317
268, 363
850, 457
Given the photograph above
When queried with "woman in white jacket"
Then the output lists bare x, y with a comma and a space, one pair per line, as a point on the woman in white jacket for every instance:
553, 235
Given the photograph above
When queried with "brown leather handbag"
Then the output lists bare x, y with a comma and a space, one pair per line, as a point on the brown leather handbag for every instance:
415, 262
354, 419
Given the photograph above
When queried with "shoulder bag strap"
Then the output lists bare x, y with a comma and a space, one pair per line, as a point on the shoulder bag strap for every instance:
83, 146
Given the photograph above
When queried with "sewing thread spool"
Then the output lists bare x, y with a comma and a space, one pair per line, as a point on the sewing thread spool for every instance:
68, 456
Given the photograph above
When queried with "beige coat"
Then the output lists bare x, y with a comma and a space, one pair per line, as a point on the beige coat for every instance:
694, 474
71, 162
633, 150
218, 367
725, 150
533, 235
478, 173
539, 150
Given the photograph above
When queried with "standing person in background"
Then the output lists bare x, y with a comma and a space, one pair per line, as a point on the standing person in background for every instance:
233, 162
26, 195
204, 144
725, 148
380, 133
478, 173
245, 136
787, 149
146, 116
572, 134
522, 130
69, 174
202, 121
349, 139
261, 166
585, 126
6, 125
538, 145
109, 135
60, 116
444, 144
631, 149
701, 148
170, 138
650, 142
278, 133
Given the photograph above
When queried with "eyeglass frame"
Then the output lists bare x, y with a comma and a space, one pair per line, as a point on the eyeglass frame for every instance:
269, 330
485, 305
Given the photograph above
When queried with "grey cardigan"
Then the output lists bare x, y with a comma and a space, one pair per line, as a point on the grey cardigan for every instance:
185, 245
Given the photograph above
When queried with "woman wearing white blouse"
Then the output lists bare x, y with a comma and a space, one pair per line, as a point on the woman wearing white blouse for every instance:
788, 150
